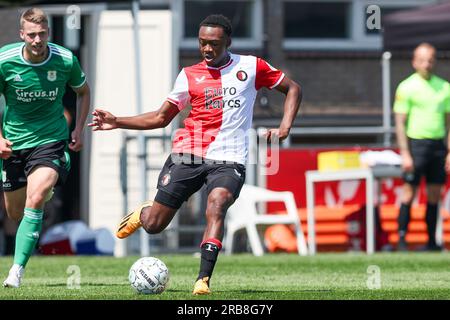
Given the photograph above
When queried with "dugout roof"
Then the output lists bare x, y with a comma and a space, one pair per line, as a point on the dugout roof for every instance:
404, 30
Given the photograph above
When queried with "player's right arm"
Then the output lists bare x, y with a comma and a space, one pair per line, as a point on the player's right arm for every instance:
176, 101
401, 108
104, 120
5, 144
5, 147
402, 141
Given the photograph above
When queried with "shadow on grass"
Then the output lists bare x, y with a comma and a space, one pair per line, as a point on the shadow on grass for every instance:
274, 291
83, 284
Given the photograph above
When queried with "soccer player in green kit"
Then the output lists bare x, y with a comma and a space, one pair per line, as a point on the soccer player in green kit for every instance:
35, 136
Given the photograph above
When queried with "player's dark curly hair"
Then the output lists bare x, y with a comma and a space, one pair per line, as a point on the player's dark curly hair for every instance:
218, 20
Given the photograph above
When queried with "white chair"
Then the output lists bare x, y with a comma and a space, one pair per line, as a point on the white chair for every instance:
244, 214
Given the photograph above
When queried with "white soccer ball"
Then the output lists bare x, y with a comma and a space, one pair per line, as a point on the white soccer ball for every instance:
148, 275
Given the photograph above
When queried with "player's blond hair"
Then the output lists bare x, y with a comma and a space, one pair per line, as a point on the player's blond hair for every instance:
34, 15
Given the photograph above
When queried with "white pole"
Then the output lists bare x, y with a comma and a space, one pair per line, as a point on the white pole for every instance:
142, 152
252, 164
310, 214
439, 228
370, 215
386, 85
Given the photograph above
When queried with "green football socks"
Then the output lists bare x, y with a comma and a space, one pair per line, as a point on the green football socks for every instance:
28, 235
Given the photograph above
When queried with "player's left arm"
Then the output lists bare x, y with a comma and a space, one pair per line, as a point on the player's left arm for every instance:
293, 93
83, 107
447, 129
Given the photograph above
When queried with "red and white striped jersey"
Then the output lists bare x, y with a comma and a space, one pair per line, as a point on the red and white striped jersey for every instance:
222, 102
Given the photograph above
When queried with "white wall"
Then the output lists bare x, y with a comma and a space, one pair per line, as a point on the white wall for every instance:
115, 91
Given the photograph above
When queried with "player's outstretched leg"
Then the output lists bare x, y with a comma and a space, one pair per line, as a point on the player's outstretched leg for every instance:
131, 222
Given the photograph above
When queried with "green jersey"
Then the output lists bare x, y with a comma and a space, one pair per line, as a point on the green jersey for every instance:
34, 113
426, 103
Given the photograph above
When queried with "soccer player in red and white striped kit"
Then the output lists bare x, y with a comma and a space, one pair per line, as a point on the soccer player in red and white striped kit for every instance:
212, 147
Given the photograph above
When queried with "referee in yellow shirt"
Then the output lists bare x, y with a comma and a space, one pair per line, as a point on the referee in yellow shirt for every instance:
422, 104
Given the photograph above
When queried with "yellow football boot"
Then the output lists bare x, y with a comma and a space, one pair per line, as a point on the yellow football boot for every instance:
131, 222
201, 286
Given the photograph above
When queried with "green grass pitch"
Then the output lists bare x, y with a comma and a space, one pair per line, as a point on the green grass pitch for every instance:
334, 276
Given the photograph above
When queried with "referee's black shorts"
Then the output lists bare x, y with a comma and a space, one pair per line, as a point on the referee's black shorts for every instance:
429, 161
183, 175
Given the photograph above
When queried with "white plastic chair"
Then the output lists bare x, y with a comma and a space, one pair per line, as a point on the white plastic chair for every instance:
244, 214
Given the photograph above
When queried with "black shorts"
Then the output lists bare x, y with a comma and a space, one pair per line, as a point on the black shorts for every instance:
429, 161
19, 165
182, 177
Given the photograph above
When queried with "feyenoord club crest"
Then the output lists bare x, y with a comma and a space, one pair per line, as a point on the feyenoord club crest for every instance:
241, 75
165, 179
51, 75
